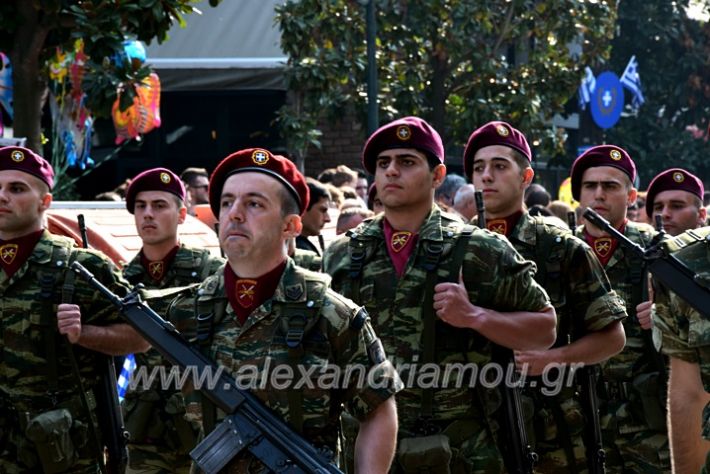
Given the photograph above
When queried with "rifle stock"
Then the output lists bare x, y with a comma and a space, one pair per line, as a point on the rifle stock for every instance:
250, 426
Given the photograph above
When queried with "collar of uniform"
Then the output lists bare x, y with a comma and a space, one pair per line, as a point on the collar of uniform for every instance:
192, 263
524, 230
42, 252
212, 287
133, 267
292, 285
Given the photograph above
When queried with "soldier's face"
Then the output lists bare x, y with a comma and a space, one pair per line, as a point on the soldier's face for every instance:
403, 178
157, 216
251, 225
499, 177
680, 211
23, 200
608, 191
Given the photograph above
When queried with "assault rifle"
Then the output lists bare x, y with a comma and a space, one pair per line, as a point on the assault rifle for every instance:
521, 459
249, 426
587, 378
664, 267
108, 408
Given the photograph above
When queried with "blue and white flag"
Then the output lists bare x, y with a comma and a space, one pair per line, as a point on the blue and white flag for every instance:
632, 81
129, 365
586, 89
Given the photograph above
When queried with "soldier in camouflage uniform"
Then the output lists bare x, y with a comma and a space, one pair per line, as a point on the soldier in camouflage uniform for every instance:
686, 340
633, 400
263, 313
677, 196
429, 281
497, 159
161, 439
44, 425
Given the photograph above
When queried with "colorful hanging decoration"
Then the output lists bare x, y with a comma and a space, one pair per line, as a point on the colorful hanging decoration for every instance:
6, 85
141, 117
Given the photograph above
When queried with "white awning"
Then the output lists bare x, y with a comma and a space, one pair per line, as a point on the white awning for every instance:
235, 46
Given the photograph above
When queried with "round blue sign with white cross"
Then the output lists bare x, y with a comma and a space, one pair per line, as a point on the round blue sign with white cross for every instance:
607, 100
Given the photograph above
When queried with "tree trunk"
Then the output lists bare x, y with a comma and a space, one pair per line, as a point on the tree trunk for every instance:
440, 66
29, 82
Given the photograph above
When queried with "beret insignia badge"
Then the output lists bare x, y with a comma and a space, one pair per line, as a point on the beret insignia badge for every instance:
164, 178
502, 131
678, 177
260, 157
404, 133
615, 155
17, 156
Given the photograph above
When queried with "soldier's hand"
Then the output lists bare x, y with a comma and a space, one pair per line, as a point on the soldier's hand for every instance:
452, 305
643, 313
532, 362
69, 321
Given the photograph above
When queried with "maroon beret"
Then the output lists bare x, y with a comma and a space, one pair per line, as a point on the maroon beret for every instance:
24, 159
673, 179
601, 155
156, 179
260, 161
407, 132
494, 133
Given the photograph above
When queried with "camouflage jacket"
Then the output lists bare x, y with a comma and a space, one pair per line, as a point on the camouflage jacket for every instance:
307, 259
686, 334
191, 265
336, 338
31, 349
572, 276
495, 275
628, 279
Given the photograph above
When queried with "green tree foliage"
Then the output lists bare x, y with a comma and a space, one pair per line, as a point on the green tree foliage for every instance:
457, 63
673, 52
32, 30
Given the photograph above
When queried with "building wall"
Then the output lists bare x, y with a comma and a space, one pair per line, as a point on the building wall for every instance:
341, 144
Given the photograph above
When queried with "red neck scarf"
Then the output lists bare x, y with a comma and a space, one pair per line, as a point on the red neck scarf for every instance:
15, 252
247, 294
505, 225
400, 245
604, 246
156, 268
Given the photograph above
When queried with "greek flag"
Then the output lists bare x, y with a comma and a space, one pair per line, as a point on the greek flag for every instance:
631, 80
586, 89
129, 365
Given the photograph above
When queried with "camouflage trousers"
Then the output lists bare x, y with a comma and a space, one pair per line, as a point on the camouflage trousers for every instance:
643, 452
149, 459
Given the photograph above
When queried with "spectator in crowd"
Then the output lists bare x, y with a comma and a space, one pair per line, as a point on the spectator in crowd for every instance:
350, 218
196, 182
362, 186
536, 194
560, 209
315, 217
339, 176
373, 201
445, 193
465, 201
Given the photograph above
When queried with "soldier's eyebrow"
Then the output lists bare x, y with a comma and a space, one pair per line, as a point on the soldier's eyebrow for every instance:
601, 181
251, 194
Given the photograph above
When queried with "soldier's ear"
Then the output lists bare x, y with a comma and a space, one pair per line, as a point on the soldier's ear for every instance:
182, 214
631, 198
439, 173
292, 226
528, 175
46, 201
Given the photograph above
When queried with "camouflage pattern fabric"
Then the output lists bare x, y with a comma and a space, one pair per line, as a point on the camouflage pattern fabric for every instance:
161, 438
25, 388
584, 302
685, 333
495, 276
257, 351
633, 392
307, 259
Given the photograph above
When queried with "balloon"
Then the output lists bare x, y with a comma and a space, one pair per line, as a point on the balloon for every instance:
141, 117
6, 85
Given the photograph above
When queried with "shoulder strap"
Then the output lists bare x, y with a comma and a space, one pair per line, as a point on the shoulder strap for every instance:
431, 262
